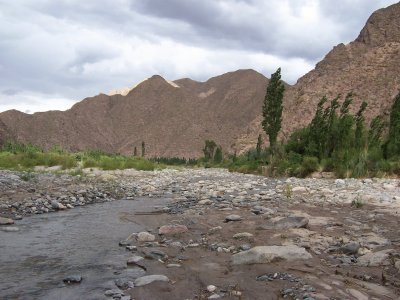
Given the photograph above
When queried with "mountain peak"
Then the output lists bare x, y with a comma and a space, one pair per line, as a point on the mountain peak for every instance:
383, 26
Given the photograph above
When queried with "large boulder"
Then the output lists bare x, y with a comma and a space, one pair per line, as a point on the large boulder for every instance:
268, 254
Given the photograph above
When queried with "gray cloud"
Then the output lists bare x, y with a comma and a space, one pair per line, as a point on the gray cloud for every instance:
69, 49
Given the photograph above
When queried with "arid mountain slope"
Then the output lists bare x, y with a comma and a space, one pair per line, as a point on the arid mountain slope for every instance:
368, 66
172, 121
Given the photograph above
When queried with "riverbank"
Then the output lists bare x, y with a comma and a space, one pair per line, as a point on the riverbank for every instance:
336, 238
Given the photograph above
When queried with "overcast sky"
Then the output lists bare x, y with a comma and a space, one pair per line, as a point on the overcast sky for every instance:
55, 53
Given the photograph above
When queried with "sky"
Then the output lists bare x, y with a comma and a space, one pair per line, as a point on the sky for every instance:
56, 53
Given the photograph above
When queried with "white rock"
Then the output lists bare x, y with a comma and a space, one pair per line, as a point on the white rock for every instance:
267, 254
211, 288
241, 235
300, 189
145, 237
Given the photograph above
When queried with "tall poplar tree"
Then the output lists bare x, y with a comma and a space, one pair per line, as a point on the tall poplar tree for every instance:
272, 107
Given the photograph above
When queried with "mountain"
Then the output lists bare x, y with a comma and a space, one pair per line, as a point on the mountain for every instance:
369, 67
174, 118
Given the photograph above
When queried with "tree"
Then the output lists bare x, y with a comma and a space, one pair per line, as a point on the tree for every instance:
209, 149
135, 151
393, 143
272, 107
258, 146
375, 132
143, 149
218, 155
359, 132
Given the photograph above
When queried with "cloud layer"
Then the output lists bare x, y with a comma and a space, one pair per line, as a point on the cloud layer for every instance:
54, 53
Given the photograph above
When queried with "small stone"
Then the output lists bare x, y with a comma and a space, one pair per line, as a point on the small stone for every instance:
124, 243
114, 293
134, 260
350, 248
131, 248
214, 229
291, 222
242, 235
245, 247
174, 266
211, 288
172, 229
205, 202
214, 296
9, 228
145, 237
6, 221
233, 218
124, 283
141, 281
299, 190
73, 279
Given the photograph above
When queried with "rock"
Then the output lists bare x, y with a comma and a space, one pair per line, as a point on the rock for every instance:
124, 243
291, 222
300, 190
389, 187
397, 265
350, 248
57, 205
233, 218
214, 229
267, 254
73, 279
9, 228
6, 221
155, 254
114, 293
375, 259
174, 266
172, 229
245, 247
141, 281
145, 237
340, 182
211, 288
134, 260
243, 235
124, 283
205, 202
214, 296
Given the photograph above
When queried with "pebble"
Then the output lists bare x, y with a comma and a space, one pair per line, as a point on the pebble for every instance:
211, 288
6, 221
73, 279
233, 218
145, 237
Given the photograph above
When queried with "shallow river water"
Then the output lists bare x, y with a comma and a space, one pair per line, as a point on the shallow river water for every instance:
82, 241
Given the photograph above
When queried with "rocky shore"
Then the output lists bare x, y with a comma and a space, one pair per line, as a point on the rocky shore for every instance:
233, 236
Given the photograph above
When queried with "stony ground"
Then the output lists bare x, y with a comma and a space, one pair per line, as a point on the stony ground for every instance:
234, 236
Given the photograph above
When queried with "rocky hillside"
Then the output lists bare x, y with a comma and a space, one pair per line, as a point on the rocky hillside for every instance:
368, 66
174, 118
